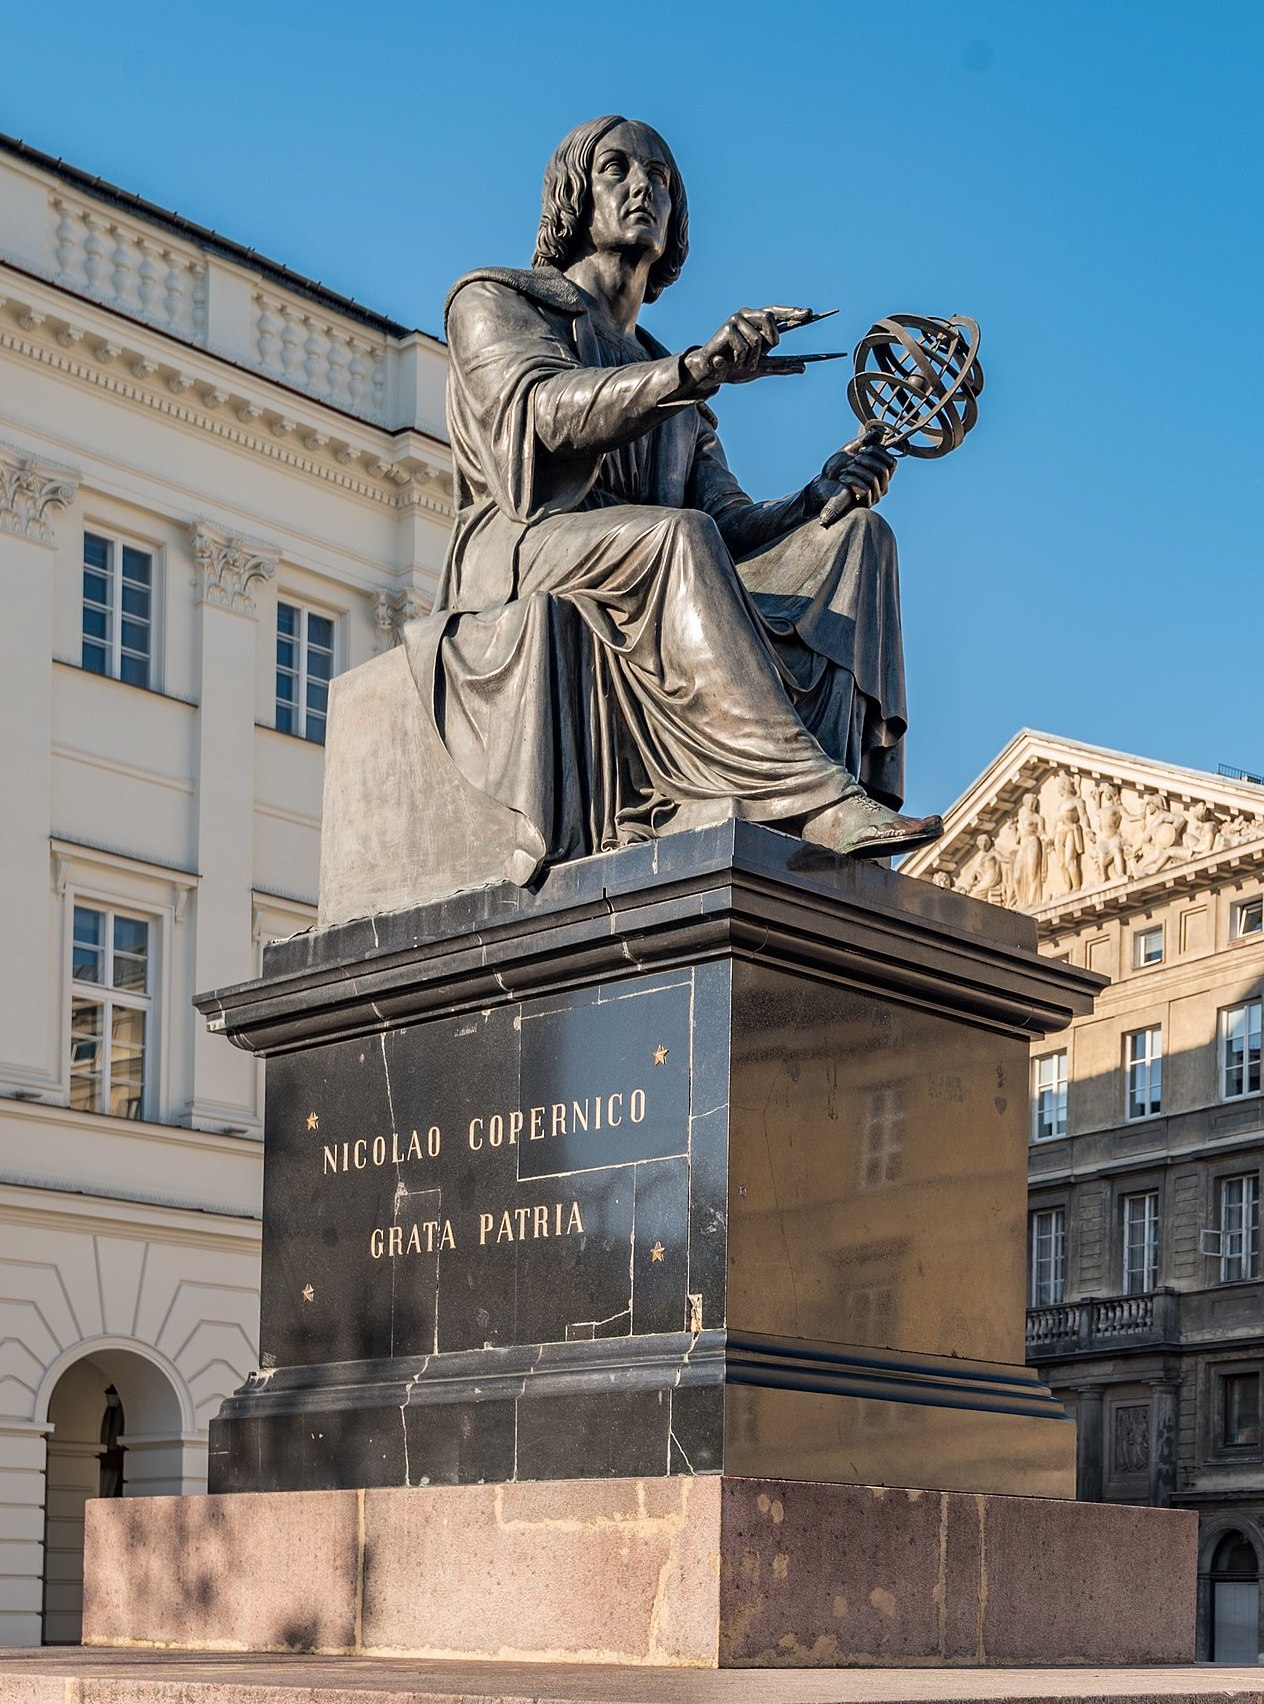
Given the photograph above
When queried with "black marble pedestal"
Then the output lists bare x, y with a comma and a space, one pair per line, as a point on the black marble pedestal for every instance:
708, 1157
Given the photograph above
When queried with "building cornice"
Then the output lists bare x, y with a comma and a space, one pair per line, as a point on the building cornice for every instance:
403, 470
55, 1206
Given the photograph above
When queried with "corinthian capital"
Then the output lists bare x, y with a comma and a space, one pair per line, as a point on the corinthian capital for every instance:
228, 565
392, 611
31, 494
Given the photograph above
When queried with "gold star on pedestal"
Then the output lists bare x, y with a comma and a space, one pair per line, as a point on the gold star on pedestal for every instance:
309, 1295
660, 1054
657, 1253
313, 1123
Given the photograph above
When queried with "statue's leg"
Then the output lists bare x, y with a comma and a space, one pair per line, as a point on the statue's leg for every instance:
830, 597
688, 676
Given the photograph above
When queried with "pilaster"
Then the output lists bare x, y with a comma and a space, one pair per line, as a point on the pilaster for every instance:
33, 495
229, 565
1163, 1416
1090, 1441
23, 1449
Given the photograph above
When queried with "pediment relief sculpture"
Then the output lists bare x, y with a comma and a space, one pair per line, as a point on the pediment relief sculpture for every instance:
1069, 833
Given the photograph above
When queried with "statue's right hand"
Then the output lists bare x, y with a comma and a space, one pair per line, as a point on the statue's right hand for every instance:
733, 356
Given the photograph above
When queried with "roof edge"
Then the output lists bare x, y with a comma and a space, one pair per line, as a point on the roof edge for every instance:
273, 270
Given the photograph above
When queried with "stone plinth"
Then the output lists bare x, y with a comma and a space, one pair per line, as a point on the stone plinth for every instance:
701, 1159
674, 1572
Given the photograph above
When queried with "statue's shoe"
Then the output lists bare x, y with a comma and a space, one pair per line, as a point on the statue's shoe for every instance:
860, 827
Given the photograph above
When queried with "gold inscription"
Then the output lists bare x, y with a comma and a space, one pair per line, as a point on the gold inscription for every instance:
560, 1118
427, 1236
377, 1151
527, 1224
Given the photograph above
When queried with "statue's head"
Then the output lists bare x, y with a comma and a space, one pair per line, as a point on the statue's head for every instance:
567, 201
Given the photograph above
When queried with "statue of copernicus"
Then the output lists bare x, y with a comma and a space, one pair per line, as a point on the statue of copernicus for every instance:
624, 643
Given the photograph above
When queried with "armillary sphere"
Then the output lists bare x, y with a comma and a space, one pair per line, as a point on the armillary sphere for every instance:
916, 385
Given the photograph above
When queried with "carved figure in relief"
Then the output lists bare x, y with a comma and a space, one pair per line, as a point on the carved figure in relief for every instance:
1162, 830
1202, 833
1112, 856
992, 878
624, 641
1069, 824
1032, 857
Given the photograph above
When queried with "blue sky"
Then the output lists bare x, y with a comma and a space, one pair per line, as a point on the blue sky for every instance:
1084, 179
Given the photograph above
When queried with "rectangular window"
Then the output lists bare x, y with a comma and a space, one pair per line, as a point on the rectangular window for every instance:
1143, 1061
1141, 1242
1240, 1050
110, 1008
1048, 1257
1147, 947
1239, 1228
1240, 1410
305, 667
1049, 1112
1247, 918
118, 609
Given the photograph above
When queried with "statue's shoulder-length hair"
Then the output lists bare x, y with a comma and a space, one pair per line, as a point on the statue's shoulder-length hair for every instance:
567, 193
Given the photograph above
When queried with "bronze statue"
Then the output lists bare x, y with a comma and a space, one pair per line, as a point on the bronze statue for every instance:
632, 645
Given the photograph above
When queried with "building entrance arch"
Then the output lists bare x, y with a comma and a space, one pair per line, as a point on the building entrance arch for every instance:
116, 1428
1235, 1600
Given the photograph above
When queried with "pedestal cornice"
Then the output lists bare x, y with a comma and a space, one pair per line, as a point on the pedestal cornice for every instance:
733, 891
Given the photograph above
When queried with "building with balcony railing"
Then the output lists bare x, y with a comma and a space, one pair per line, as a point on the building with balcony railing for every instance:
220, 484
1146, 1291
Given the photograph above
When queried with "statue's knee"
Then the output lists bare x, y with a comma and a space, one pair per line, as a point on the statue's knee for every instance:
869, 524
697, 532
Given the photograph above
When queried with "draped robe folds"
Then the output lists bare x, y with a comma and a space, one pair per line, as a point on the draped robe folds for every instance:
622, 639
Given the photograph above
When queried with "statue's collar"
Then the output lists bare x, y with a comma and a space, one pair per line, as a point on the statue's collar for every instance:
543, 284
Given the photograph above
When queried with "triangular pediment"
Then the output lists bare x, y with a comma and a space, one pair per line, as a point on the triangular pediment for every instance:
1053, 825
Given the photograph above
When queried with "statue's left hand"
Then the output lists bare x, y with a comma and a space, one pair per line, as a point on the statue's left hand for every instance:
852, 479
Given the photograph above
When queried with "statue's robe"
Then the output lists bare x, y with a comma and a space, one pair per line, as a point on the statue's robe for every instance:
622, 640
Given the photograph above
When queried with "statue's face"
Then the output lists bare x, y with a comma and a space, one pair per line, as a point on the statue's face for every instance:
631, 195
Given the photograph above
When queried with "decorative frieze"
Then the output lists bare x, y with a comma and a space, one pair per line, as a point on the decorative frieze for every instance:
228, 565
392, 611
1056, 833
32, 492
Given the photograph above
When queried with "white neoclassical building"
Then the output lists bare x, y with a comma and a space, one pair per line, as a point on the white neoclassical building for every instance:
219, 484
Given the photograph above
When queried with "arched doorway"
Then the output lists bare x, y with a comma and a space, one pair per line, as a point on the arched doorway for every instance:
1235, 1601
115, 1431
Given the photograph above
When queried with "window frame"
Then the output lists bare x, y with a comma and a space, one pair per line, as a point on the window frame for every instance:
1059, 1089
1248, 1256
1139, 937
1223, 1066
301, 671
119, 540
86, 875
1056, 1281
1151, 1241
108, 997
1251, 906
1144, 1067
1212, 1446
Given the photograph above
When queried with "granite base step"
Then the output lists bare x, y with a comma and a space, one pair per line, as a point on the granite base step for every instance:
66, 1676
711, 1572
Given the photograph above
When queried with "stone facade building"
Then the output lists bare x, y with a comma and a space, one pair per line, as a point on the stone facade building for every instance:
1146, 1292
219, 485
